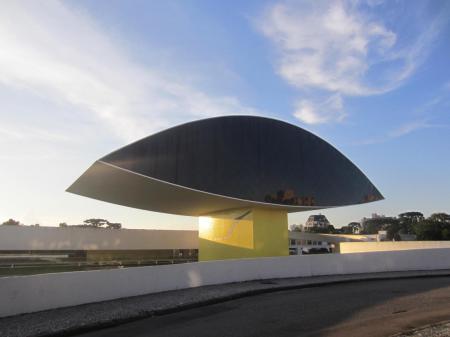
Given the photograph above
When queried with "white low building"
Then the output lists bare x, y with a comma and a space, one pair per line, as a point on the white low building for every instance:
308, 243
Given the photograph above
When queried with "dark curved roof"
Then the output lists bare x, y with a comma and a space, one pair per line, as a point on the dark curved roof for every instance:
249, 158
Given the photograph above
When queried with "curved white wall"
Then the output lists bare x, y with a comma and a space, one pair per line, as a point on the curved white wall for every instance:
21, 294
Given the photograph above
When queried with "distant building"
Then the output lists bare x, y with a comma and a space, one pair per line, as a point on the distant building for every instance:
382, 235
315, 243
22, 246
317, 221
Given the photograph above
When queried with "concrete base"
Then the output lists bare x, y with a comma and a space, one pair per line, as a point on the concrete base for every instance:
243, 233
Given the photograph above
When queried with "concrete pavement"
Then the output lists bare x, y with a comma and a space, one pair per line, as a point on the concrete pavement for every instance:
369, 309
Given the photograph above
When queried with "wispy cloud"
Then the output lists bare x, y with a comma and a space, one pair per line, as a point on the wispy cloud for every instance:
340, 48
315, 112
398, 132
438, 103
407, 128
61, 54
427, 116
403, 130
24, 132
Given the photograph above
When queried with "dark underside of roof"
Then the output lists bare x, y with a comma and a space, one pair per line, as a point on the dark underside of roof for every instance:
248, 158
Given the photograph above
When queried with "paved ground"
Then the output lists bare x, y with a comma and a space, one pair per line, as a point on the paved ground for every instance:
435, 330
370, 308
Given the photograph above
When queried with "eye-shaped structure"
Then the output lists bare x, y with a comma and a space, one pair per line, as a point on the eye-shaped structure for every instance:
223, 163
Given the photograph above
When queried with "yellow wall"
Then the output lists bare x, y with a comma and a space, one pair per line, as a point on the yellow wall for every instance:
242, 234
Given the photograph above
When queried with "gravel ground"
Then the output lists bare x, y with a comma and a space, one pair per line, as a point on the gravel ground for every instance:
109, 313
435, 330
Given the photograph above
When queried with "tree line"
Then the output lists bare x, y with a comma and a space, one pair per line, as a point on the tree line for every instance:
88, 223
436, 227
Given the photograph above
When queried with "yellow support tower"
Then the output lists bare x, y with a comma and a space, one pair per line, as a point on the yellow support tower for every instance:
243, 233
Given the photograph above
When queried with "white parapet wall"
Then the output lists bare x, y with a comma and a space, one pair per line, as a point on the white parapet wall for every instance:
23, 294
365, 247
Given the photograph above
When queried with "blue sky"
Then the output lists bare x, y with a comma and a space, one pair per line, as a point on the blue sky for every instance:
79, 79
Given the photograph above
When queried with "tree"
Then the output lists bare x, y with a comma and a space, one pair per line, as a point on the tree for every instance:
428, 230
346, 230
95, 222
436, 227
351, 228
372, 226
440, 217
407, 221
295, 228
412, 216
355, 227
114, 225
328, 230
393, 231
11, 222
390, 224
62, 225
